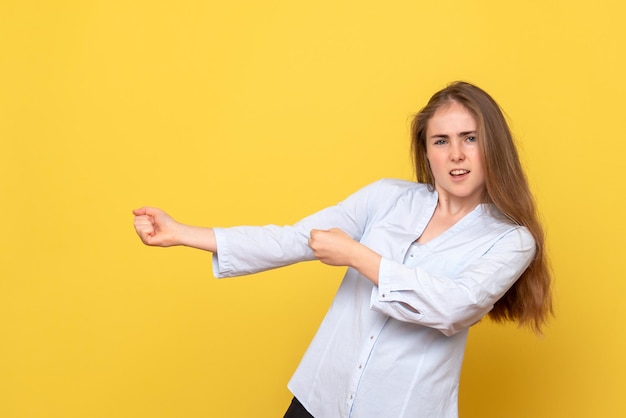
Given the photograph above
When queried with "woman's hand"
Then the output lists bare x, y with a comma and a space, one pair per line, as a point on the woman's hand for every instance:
333, 247
155, 227
336, 248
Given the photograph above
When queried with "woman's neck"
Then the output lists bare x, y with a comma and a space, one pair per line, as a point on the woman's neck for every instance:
455, 207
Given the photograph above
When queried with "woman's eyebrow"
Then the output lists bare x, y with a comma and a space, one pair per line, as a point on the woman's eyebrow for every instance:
443, 136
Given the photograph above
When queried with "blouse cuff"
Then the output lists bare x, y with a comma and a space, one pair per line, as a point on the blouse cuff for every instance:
221, 258
392, 277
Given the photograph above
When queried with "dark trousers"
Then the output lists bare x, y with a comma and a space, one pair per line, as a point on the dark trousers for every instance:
296, 410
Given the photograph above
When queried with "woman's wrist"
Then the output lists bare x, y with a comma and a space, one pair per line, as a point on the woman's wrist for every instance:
367, 262
196, 237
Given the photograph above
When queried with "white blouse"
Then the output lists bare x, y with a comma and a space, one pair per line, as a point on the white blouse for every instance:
394, 350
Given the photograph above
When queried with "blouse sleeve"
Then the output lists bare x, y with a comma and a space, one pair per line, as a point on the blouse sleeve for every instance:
251, 249
452, 304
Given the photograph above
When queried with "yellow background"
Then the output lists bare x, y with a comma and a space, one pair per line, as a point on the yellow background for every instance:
252, 112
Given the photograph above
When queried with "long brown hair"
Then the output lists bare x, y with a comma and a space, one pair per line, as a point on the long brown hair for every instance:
529, 300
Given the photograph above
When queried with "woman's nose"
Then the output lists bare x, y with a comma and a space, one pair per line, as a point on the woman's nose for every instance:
456, 152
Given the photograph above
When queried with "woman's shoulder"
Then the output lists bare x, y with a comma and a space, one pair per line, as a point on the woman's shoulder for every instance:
399, 186
495, 221
388, 193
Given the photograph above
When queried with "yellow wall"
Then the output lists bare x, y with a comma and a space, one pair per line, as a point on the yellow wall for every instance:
264, 111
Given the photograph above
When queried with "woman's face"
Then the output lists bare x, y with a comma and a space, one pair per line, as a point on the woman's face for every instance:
454, 155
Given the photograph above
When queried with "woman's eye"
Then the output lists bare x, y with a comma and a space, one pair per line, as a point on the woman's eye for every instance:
471, 139
440, 142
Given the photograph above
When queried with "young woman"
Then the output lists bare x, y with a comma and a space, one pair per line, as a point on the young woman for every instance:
426, 260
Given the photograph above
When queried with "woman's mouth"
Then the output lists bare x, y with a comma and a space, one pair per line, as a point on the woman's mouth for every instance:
458, 172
